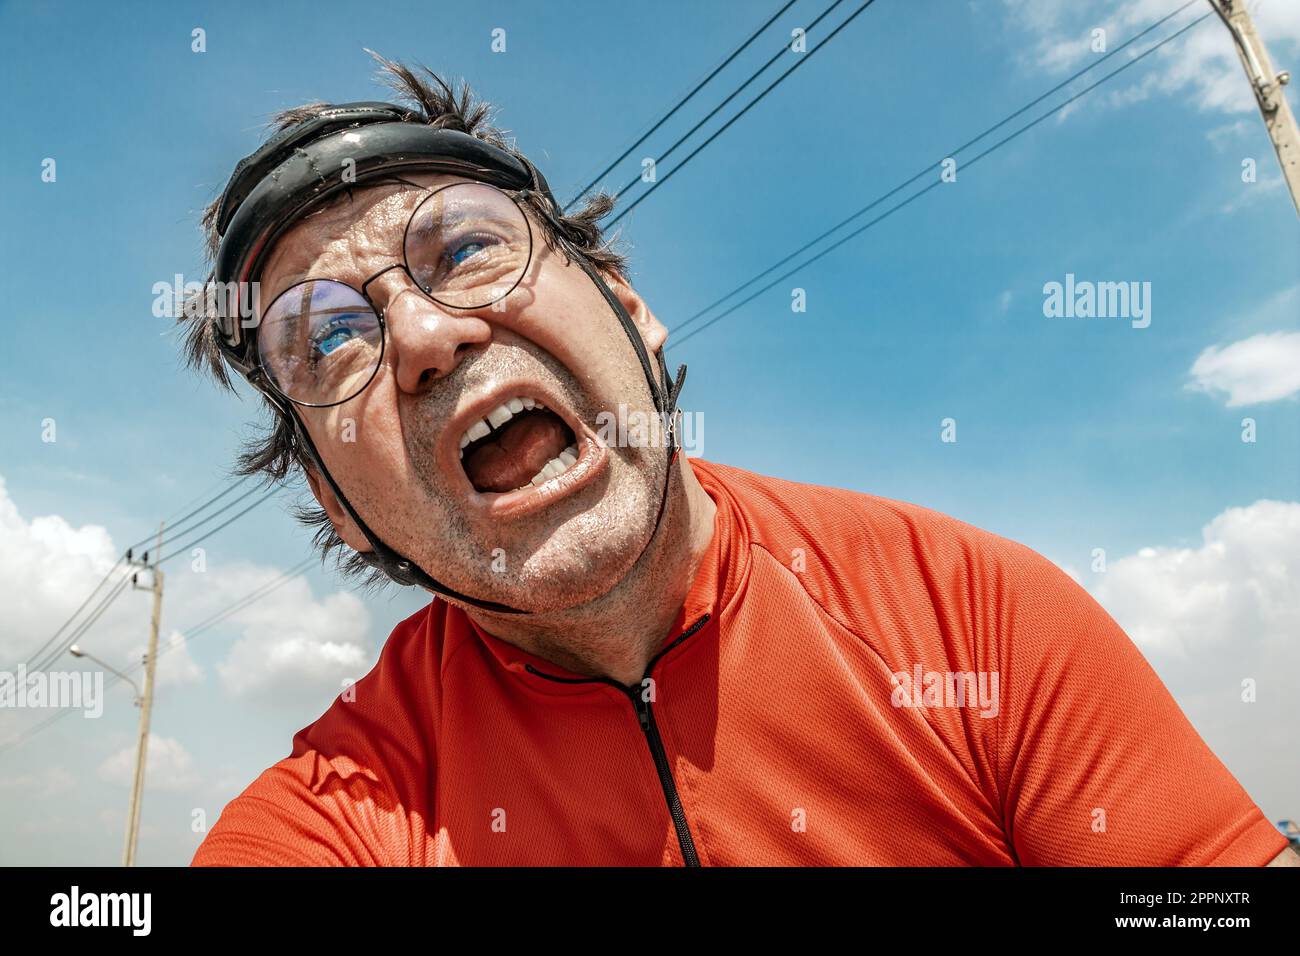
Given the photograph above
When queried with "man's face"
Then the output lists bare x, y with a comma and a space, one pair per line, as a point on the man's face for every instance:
395, 450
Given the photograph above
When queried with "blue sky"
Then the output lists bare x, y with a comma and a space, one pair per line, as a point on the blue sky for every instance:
1072, 434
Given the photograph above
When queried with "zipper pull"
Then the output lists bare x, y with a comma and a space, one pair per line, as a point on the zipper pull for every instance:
642, 709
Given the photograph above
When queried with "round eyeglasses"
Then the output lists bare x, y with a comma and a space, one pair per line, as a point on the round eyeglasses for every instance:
466, 246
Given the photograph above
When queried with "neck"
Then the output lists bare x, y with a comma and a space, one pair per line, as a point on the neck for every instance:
617, 634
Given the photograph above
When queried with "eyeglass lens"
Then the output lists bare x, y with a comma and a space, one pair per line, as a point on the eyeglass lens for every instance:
466, 246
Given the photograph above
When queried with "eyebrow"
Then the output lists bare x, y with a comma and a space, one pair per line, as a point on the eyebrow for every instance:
388, 179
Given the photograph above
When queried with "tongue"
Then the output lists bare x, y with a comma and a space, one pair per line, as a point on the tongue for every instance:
518, 451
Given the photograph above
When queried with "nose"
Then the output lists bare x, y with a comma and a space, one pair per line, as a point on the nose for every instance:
426, 340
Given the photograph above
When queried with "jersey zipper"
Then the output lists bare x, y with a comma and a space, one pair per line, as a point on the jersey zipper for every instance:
645, 713
645, 716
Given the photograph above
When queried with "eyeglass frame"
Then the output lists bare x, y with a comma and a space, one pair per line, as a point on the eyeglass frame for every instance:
258, 372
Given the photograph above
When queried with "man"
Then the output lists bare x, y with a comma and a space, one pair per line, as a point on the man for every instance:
632, 657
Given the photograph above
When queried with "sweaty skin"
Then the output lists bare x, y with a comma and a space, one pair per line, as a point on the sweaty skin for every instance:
603, 599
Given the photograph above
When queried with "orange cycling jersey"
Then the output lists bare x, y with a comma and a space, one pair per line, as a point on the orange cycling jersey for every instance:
850, 680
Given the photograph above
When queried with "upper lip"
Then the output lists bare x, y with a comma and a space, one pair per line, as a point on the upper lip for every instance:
478, 408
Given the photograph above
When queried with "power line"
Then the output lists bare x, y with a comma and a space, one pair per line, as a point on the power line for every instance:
173, 533
968, 163
175, 528
104, 604
682, 102
731, 96
248, 599
224, 524
33, 731
725, 126
41, 661
172, 522
734, 93
109, 573
81, 607
907, 182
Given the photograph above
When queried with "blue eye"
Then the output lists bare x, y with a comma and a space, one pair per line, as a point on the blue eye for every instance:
466, 251
464, 248
334, 340
330, 338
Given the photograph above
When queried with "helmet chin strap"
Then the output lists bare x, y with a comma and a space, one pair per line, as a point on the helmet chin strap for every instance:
406, 572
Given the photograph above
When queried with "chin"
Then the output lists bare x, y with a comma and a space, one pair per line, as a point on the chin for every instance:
563, 573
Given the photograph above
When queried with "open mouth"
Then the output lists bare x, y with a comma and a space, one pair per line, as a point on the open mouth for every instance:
520, 444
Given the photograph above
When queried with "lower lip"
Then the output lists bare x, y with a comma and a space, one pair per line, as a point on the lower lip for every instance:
593, 458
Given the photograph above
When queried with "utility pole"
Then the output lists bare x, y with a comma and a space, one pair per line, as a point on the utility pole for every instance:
1267, 87
146, 704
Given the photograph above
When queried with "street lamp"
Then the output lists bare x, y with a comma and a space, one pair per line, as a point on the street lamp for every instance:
76, 651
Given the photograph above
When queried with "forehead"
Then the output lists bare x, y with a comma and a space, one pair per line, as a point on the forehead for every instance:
341, 233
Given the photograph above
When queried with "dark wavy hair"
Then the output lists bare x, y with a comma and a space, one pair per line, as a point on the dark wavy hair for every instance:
273, 453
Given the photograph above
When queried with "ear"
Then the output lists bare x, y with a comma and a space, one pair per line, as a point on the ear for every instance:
653, 333
344, 526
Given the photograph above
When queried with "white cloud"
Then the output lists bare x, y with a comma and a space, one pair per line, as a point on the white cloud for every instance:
1228, 133
1220, 623
1201, 64
1070, 570
1237, 588
1261, 368
290, 641
1251, 193
175, 665
47, 782
47, 567
1038, 15
292, 645
168, 766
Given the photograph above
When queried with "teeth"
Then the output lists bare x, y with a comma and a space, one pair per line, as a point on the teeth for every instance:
557, 466
496, 418
502, 414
